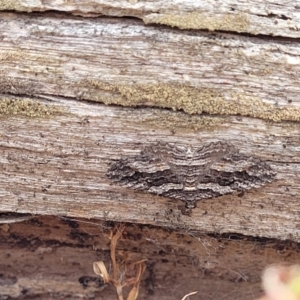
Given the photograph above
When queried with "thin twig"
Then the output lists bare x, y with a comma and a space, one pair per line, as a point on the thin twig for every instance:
113, 245
189, 294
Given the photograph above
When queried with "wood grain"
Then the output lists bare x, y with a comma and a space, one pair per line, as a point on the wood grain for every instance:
275, 18
57, 166
128, 64
83, 87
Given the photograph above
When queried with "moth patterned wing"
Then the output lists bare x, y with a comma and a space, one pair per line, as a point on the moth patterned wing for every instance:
145, 172
170, 155
202, 160
209, 171
206, 156
191, 173
175, 156
181, 159
240, 172
190, 165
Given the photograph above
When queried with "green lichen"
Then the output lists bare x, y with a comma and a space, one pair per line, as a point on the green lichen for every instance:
189, 99
200, 20
27, 107
12, 5
173, 121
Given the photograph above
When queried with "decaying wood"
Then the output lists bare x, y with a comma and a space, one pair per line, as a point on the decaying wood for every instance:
48, 257
78, 93
277, 18
73, 151
129, 64
57, 165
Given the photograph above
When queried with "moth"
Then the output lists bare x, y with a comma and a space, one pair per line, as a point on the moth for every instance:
190, 173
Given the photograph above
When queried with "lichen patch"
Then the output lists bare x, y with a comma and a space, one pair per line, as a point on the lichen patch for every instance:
173, 121
12, 5
189, 99
27, 107
200, 20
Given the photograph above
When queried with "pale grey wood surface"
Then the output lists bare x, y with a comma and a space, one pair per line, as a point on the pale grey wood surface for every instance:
231, 81
278, 18
126, 63
56, 165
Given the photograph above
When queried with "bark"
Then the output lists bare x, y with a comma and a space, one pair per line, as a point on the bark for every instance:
275, 18
57, 165
81, 88
125, 63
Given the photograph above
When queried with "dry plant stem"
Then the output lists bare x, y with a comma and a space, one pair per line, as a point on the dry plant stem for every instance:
100, 269
114, 239
189, 294
136, 280
120, 282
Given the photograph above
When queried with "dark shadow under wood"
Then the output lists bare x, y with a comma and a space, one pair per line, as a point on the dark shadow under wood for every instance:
46, 257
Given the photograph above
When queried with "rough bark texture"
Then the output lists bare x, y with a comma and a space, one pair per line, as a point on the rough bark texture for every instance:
125, 63
275, 18
57, 165
78, 93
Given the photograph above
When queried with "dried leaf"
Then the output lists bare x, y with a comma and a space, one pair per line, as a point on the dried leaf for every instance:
133, 293
100, 269
128, 273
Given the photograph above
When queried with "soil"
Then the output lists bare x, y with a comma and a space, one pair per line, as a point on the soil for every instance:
47, 257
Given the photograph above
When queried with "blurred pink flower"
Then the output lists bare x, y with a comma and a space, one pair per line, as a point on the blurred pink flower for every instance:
281, 283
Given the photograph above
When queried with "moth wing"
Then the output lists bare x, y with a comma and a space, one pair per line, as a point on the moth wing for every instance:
174, 156
242, 172
208, 155
150, 170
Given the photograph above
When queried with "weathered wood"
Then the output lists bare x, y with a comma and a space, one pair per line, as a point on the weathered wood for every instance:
48, 257
256, 17
55, 150
129, 64
56, 165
